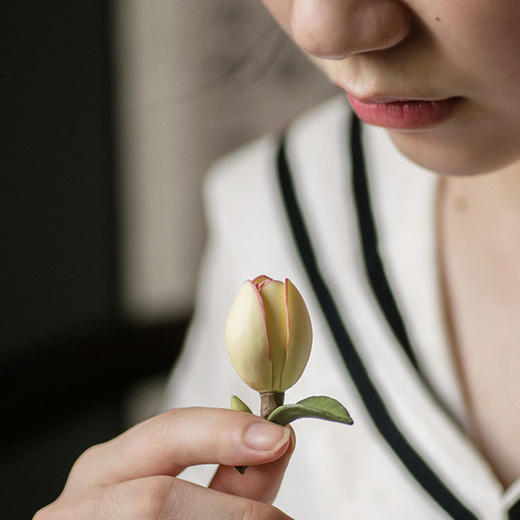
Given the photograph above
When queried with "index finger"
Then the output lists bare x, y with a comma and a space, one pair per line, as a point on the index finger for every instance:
167, 443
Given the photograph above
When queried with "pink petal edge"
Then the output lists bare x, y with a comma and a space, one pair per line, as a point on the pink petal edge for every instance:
261, 281
262, 308
287, 317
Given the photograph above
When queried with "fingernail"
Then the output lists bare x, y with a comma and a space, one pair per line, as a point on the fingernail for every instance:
266, 436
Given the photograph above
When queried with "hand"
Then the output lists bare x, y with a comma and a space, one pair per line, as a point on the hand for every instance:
134, 475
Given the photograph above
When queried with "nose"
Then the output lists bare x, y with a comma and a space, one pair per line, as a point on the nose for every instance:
335, 29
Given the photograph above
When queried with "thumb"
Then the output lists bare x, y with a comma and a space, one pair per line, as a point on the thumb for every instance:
260, 482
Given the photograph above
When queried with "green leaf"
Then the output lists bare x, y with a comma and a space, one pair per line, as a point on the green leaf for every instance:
239, 405
320, 407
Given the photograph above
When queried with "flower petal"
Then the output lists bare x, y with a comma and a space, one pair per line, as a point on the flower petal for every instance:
247, 340
261, 280
273, 296
299, 336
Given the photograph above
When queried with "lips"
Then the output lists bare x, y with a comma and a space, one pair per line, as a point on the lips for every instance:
401, 113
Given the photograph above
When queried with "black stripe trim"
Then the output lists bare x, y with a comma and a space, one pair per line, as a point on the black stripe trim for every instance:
514, 511
374, 265
368, 393
369, 242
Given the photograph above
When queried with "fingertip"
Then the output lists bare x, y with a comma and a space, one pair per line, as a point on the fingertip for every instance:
267, 438
292, 445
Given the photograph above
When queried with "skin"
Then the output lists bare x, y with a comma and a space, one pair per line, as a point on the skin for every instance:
419, 49
134, 475
410, 49
427, 50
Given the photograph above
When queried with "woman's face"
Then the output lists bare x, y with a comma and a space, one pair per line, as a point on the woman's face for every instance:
456, 62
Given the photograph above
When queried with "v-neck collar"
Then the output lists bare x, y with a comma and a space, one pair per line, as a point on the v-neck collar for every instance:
409, 246
415, 425
404, 203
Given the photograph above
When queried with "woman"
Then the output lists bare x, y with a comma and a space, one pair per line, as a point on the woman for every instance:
411, 279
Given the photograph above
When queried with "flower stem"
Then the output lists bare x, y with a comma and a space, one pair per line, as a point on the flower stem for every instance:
269, 401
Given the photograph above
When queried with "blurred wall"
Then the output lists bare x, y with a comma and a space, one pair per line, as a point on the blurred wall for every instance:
57, 202
195, 79
115, 111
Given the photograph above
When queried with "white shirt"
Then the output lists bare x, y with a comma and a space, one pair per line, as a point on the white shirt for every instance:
407, 455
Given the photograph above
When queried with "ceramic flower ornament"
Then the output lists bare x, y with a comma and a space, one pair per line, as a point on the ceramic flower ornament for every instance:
268, 338
269, 334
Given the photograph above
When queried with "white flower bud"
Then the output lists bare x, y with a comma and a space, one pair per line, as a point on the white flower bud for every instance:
269, 334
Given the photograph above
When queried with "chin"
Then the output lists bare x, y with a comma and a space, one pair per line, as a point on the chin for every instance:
456, 157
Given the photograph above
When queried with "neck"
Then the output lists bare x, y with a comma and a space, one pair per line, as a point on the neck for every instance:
496, 193
487, 206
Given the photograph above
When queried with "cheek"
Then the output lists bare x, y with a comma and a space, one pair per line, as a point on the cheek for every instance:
480, 42
281, 12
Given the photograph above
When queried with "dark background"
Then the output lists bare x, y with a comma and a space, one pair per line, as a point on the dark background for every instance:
68, 355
